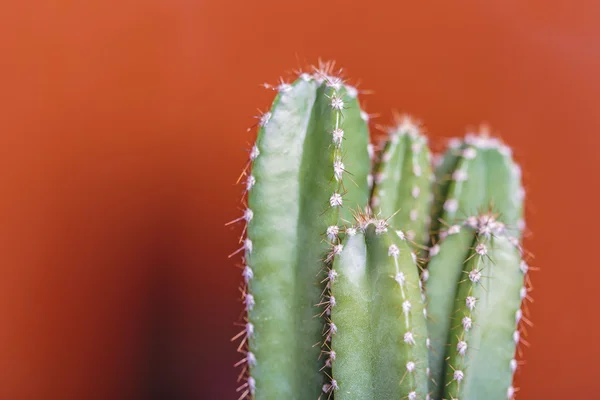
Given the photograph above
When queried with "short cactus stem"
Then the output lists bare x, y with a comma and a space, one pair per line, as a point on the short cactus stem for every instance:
380, 340
301, 188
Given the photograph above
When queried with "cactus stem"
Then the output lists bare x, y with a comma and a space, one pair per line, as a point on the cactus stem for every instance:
310, 114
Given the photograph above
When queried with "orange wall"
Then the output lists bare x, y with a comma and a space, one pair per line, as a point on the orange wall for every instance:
123, 128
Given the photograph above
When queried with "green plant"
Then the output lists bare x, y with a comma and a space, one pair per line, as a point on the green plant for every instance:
338, 300
309, 168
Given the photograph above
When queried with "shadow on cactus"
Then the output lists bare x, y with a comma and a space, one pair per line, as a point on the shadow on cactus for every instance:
373, 275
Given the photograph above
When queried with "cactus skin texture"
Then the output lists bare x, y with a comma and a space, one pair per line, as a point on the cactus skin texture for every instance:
403, 182
378, 330
298, 194
474, 175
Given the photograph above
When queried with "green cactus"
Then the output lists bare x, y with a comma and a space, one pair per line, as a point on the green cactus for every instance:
378, 330
403, 189
335, 306
299, 194
474, 175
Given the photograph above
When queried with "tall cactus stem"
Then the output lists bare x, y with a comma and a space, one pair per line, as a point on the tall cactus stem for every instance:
299, 192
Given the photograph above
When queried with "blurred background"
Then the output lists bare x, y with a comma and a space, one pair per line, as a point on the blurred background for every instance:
123, 131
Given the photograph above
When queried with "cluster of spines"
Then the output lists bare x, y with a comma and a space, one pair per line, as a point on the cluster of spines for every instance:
522, 317
337, 106
333, 232
409, 338
248, 384
327, 303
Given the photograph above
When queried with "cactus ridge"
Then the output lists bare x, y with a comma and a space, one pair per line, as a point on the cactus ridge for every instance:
403, 181
377, 334
299, 192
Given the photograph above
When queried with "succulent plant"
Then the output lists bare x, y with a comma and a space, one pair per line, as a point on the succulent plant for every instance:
399, 282
309, 168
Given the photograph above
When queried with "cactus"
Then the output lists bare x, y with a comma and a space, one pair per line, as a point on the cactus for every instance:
299, 194
403, 187
474, 175
337, 303
378, 330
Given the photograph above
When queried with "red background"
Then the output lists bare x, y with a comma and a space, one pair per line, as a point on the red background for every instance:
123, 128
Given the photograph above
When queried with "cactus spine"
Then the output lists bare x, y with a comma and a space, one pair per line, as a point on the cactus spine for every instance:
335, 306
379, 346
298, 193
